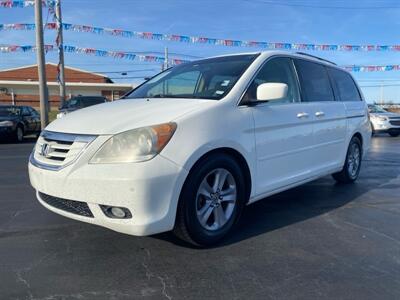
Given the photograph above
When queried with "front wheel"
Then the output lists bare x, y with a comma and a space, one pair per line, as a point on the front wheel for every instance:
19, 134
352, 165
394, 134
211, 201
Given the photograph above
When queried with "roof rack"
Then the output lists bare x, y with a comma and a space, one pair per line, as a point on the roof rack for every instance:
316, 57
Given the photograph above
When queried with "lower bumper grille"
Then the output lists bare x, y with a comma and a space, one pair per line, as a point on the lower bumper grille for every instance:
71, 206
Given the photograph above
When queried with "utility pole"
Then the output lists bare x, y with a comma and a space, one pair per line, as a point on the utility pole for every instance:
60, 45
165, 58
43, 92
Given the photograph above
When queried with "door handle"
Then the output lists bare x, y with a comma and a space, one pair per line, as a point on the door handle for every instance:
302, 115
319, 114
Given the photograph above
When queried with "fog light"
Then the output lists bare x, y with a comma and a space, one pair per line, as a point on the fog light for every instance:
118, 212
115, 212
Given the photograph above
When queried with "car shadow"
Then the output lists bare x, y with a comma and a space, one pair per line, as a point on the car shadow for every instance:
295, 205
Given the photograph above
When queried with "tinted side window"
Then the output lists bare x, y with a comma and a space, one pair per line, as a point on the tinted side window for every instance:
34, 112
91, 101
25, 111
278, 70
314, 81
346, 88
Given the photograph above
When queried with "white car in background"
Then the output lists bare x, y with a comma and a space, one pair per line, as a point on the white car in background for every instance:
188, 149
383, 121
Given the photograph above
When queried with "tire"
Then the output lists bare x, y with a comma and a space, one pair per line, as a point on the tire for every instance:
394, 134
206, 214
19, 134
352, 165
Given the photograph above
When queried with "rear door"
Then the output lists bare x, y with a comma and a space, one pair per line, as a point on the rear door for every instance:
329, 115
283, 129
355, 108
28, 120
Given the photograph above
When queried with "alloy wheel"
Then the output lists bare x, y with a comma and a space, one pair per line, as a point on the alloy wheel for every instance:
216, 199
20, 134
354, 160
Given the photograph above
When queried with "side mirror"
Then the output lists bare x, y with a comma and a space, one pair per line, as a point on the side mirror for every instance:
271, 91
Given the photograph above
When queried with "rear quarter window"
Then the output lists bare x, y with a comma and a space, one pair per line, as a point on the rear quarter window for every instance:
345, 85
314, 81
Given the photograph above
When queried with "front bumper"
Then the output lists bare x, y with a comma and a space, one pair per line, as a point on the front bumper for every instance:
150, 190
384, 126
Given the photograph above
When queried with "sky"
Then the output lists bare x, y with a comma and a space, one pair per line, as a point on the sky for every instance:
297, 21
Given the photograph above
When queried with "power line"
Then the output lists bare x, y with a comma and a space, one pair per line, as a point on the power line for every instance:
319, 6
129, 77
127, 71
380, 85
377, 80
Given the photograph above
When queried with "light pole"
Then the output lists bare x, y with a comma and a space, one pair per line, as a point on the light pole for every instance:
60, 45
43, 92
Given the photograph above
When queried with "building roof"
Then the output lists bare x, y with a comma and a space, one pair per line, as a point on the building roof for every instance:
105, 85
30, 73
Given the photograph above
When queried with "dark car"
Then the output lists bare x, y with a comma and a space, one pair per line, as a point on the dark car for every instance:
18, 121
79, 102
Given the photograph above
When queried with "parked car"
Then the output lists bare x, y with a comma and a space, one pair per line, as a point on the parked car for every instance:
383, 121
79, 102
200, 141
18, 121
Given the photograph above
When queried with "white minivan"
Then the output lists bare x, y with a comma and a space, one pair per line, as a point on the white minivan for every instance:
188, 149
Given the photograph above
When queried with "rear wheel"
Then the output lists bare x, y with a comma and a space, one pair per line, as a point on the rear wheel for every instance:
352, 165
394, 134
211, 201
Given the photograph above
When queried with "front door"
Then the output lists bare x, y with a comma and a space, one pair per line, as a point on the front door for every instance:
283, 130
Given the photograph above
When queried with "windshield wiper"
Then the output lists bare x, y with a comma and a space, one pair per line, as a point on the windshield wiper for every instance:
169, 96
157, 96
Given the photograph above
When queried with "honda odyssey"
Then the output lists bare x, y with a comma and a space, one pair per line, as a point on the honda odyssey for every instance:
188, 149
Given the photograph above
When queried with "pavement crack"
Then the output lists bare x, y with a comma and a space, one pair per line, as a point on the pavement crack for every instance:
25, 282
150, 274
381, 234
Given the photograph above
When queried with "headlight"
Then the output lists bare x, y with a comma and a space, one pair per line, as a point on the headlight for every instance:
380, 118
135, 145
6, 124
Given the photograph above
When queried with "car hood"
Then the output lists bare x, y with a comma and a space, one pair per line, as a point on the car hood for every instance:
123, 115
387, 114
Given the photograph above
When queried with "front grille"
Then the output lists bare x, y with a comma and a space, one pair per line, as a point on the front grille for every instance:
395, 122
56, 150
71, 206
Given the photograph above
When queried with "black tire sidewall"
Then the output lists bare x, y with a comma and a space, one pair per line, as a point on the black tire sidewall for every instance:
196, 231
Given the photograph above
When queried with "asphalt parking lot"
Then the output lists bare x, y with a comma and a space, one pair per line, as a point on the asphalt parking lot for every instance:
320, 240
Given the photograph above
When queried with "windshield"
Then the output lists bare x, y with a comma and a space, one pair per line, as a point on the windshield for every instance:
210, 78
9, 111
376, 109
